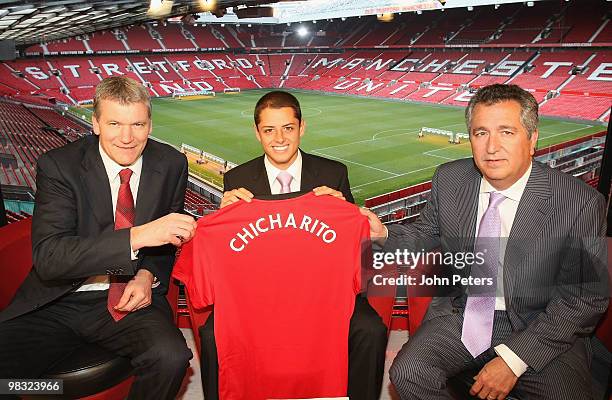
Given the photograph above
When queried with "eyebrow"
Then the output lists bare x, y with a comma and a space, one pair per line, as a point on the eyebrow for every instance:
270, 126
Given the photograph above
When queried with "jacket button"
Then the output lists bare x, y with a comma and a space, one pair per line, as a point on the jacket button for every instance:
456, 311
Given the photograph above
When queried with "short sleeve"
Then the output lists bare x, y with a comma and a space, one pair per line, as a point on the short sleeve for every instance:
192, 269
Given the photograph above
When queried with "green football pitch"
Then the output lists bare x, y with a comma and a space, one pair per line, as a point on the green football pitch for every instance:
376, 139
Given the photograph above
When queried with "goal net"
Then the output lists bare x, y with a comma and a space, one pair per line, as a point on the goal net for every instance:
453, 137
192, 94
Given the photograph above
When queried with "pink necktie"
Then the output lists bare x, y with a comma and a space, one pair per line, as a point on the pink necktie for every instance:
480, 306
124, 218
285, 178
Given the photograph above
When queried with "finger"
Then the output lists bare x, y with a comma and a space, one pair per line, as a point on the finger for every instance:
246, 193
243, 194
131, 305
476, 387
125, 298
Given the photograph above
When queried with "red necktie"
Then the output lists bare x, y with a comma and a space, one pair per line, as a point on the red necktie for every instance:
124, 218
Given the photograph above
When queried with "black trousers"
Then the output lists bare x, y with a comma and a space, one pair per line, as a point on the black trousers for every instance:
367, 347
31, 343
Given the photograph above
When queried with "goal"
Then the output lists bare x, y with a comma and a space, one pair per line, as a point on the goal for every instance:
192, 94
453, 137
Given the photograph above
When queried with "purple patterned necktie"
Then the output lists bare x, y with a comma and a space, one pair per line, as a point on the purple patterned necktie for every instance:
480, 306
285, 178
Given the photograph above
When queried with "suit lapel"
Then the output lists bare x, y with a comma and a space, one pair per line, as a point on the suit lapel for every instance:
149, 192
97, 187
308, 180
467, 208
261, 185
533, 211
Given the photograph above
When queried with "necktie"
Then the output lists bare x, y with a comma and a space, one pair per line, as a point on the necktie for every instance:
285, 178
124, 218
480, 306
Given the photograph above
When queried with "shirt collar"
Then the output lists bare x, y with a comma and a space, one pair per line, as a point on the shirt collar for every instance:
295, 169
514, 192
113, 169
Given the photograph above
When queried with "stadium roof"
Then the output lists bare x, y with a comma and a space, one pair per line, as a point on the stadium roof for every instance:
29, 22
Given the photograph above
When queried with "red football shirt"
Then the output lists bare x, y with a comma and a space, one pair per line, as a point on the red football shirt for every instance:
283, 275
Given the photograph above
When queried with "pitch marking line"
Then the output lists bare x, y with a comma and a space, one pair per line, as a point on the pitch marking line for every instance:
391, 177
354, 162
565, 133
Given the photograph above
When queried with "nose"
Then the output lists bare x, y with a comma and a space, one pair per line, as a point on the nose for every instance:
126, 134
278, 136
492, 143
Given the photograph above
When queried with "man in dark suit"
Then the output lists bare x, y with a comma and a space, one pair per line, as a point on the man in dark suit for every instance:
104, 231
284, 168
523, 323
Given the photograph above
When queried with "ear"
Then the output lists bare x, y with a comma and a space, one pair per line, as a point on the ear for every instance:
257, 135
533, 142
95, 124
302, 127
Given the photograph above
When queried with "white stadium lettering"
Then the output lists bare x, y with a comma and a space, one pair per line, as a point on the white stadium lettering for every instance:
244, 63
468, 67
346, 84
369, 86
36, 73
435, 65
161, 65
184, 65
435, 89
507, 68
600, 72
405, 64
141, 67
111, 68
554, 65
354, 63
202, 85
220, 63
464, 97
73, 70
379, 64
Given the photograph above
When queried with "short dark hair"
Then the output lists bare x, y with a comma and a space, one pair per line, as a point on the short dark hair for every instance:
493, 94
277, 99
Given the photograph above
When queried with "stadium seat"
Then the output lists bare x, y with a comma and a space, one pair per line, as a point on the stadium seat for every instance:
90, 372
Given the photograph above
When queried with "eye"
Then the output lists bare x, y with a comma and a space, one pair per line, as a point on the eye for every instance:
113, 123
139, 124
288, 129
479, 133
506, 132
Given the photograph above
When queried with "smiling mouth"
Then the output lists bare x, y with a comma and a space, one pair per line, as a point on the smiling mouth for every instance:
280, 148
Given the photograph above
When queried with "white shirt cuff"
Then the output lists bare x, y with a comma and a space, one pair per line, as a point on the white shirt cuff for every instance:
513, 361
134, 253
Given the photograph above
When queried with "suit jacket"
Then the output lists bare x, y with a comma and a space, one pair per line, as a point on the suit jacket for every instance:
555, 272
316, 171
73, 235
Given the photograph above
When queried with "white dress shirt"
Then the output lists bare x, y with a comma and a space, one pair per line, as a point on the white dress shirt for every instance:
295, 170
507, 212
101, 282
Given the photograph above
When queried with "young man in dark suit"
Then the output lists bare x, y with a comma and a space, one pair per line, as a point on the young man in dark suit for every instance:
105, 226
284, 168
543, 276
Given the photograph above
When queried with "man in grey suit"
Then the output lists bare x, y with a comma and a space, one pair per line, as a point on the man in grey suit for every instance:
522, 316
